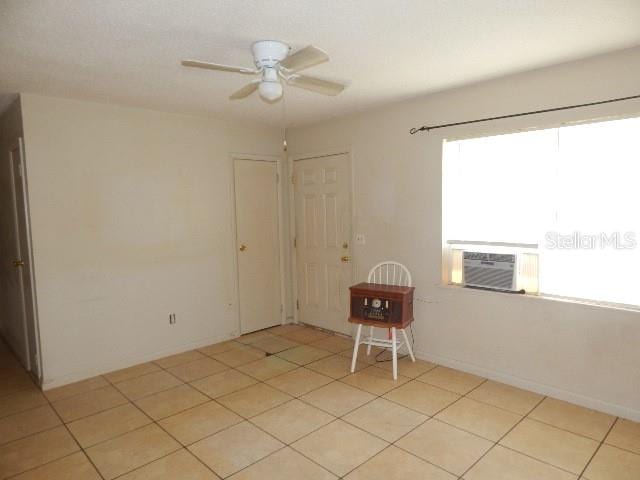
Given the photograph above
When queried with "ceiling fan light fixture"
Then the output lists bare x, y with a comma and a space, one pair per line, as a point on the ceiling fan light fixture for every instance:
274, 62
270, 91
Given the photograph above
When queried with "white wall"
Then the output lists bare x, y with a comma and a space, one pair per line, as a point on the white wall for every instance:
131, 216
585, 354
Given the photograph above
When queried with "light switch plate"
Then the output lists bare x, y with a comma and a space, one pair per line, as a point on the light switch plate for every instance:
360, 240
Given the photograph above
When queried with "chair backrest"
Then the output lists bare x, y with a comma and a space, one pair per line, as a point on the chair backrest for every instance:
390, 273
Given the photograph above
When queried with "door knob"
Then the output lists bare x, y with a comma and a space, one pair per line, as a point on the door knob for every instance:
243, 247
345, 259
18, 263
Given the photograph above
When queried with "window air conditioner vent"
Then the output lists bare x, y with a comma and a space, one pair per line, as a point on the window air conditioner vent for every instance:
495, 271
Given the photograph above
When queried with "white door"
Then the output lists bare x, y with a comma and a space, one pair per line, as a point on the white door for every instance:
21, 327
257, 241
322, 192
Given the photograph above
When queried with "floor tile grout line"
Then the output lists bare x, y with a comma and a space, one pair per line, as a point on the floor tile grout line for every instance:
2, 417
432, 417
607, 444
114, 385
204, 357
336, 380
482, 401
283, 447
341, 417
539, 460
24, 412
334, 419
150, 394
61, 424
597, 449
290, 444
17, 391
165, 390
248, 419
115, 437
86, 455
94, 413
128, 401
357, 388
111, 382
581, 435
497, 442
153, 421
84, 449
31, 469
376, 397
394, 444
180, 445
44, 392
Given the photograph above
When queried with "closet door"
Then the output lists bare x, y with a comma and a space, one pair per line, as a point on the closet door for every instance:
257, 242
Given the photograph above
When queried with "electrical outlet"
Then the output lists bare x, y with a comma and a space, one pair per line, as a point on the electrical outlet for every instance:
172, 319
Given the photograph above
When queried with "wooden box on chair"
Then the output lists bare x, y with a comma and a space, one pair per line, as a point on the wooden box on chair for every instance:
382, 306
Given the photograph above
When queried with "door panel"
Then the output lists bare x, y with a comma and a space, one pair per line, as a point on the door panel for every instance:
258, 244
322, 195
21, 327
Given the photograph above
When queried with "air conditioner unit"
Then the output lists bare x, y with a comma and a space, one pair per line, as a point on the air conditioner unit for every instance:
495, 271
496, 266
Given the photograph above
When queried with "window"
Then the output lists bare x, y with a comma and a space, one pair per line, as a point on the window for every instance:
574, 191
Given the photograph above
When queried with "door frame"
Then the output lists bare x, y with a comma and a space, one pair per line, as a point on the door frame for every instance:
291, 159
234, 232
30, 300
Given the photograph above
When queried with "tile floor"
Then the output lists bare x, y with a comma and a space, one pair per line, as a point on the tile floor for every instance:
281, 404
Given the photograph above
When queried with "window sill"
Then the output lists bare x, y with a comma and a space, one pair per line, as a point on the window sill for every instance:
545, 297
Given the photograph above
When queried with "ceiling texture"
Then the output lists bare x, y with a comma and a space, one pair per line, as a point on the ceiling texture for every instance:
128, 51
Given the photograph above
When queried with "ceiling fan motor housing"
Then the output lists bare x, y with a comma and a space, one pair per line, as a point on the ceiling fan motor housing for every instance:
269, 53
274, 63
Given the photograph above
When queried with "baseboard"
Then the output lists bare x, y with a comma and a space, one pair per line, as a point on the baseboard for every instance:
48, 384
578, 399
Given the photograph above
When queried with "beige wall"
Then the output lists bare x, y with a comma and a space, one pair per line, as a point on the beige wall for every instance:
131, 216
585, 354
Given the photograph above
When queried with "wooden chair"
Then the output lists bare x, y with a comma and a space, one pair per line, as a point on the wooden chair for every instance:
388, 273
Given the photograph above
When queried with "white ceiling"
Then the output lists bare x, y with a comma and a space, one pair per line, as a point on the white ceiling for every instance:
128, 52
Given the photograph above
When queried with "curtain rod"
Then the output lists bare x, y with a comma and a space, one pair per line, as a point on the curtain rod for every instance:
426, 128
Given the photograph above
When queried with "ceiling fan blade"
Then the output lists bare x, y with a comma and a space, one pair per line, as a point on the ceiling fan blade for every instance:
245, 91
304, 58
219, 67
317, 85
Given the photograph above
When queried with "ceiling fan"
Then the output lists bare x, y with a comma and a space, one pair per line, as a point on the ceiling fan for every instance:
273, 62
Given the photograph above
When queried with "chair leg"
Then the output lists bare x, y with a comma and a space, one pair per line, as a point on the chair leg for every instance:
370, 338
406, 339
355, 349
394, 350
